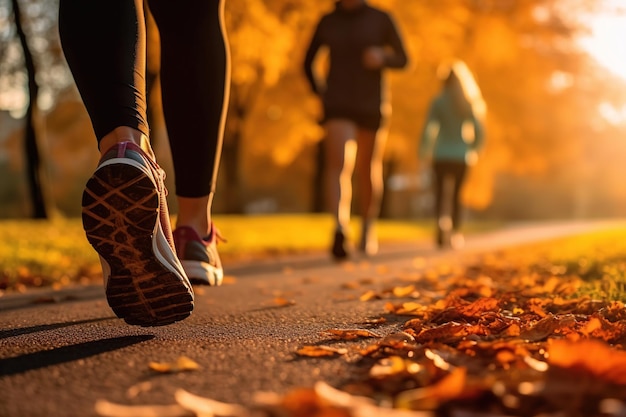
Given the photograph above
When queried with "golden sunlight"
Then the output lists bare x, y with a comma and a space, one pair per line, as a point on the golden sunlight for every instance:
606, 41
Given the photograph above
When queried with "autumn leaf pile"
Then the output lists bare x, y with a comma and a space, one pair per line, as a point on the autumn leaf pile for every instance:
508, 335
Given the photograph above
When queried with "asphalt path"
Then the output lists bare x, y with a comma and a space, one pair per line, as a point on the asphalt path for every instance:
62, 351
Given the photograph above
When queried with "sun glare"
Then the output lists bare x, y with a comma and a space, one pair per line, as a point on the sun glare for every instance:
606, 42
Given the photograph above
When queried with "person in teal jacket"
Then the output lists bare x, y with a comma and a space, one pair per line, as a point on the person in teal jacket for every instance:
452, 136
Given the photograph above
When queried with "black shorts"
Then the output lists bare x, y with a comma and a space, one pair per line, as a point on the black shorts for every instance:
364, 120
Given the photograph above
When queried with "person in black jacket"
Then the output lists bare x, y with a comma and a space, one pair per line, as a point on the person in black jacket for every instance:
362, 42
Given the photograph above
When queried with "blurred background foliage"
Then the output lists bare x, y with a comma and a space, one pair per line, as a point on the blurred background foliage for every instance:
556, 134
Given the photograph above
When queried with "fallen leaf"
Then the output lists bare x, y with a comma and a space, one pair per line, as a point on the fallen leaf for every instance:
591, 356
137, 389
409, 307
379, 320
535, 364
370, 349
437, 360
352, 285
403, 291
320, 351
369, 295
208, 407
283, 302
541, 329
182, 364
350, 334
393, 365
304, 402
448, 388
108, 409
445, 332
338, 398
479, 307
601, 328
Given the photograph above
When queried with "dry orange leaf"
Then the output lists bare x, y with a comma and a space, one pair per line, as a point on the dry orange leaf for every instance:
600, 328
410, 307
379, 320
369, 295
283, 302
392, 365
592, 356
541, 330
442, 333
403, 291
320, 351
182, 364
450, 387
350, 334
479, 307
203, 406
106, 408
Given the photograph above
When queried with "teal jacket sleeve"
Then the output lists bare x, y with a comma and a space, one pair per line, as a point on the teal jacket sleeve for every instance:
479, 133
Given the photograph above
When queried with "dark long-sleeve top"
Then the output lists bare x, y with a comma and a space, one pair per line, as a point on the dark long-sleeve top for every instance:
347, 34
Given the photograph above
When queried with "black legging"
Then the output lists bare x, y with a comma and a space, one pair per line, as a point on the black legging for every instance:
104, 42
456, 171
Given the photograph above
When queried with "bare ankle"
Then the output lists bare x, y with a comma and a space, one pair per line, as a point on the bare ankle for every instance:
126, 134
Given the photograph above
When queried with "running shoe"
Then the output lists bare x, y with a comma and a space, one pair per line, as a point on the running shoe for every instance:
126, 220
369, 240
199, 256
339, 250
457, 241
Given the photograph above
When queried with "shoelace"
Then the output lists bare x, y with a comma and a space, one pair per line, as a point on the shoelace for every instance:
215, 234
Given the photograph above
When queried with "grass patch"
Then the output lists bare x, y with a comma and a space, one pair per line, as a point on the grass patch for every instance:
36, 253
594, 262
42, 253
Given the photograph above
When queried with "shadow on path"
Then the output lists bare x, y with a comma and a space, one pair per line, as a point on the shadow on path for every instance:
4, 334
31, 361
42, 296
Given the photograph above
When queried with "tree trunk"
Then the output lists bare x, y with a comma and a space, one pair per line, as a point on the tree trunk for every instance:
33, 159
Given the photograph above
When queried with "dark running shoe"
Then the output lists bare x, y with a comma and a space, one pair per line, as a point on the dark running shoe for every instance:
126, 220
199, 255
339, 250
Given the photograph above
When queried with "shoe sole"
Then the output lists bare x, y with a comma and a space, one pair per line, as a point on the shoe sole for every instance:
121, 220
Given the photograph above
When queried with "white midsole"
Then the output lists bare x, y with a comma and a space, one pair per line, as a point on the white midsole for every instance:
203, 271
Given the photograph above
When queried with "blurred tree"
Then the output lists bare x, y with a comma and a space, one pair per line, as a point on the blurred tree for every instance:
262, 37
549, 127
34, 165
524, 54
32, 74
39, 23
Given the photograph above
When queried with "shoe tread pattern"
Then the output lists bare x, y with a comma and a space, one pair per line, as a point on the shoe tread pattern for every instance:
120, 211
